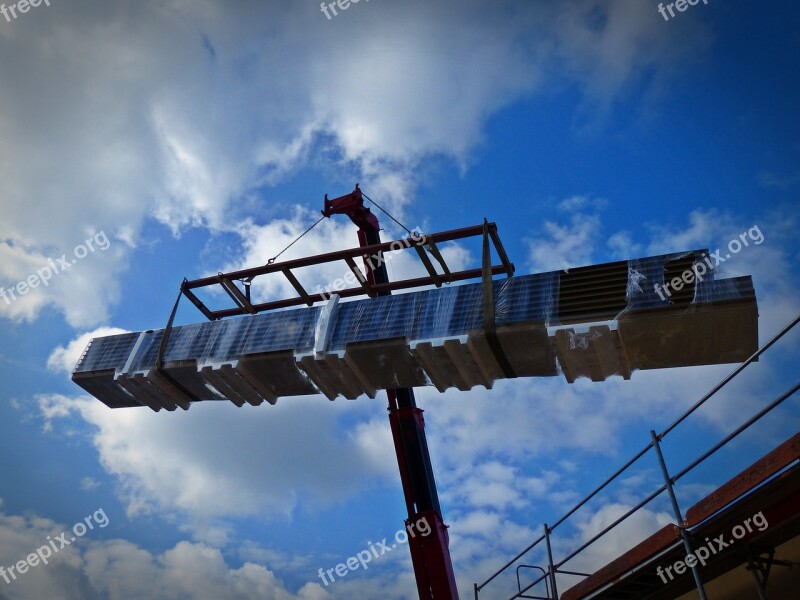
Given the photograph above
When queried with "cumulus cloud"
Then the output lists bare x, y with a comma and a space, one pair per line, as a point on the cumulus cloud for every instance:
625, 536
623, 246
570, 239
185, 462
187, 114
34, 276
117, 569
610, 46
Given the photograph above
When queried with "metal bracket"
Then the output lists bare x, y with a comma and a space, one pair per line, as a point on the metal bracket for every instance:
760, 566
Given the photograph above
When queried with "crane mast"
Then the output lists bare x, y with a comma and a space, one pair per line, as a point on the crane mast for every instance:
430, 554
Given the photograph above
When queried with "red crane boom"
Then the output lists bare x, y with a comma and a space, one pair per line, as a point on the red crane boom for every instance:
430, 554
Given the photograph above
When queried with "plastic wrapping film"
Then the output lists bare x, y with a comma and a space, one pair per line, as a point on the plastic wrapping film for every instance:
441, 312
710, 288
106, 353
663, 295
645, 278
680, 299
707, 283
585, 299
445, 312
586, 322
734, 288
527, 298
673, 280
227, 340
518, 345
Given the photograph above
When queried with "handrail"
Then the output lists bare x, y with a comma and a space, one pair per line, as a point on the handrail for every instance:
738, 430
713, 391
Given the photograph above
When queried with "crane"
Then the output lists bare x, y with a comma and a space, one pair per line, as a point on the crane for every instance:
430, 555
556, 323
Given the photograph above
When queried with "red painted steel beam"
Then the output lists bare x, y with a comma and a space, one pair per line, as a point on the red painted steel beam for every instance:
352, 205
444, 236
346, 293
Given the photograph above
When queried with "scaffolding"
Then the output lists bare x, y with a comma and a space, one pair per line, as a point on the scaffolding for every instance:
677, 537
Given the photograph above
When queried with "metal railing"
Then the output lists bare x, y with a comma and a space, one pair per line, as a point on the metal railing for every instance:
555, 568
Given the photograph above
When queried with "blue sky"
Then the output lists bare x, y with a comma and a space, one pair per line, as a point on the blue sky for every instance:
202, 136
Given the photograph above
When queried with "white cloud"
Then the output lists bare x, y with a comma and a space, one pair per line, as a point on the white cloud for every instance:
374, 438
89, 484
498, 486
623, 247
184, 113
120, 570
566, 245
620, 539
54, 407
186, 462
188, 570
609, 46
33, 276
